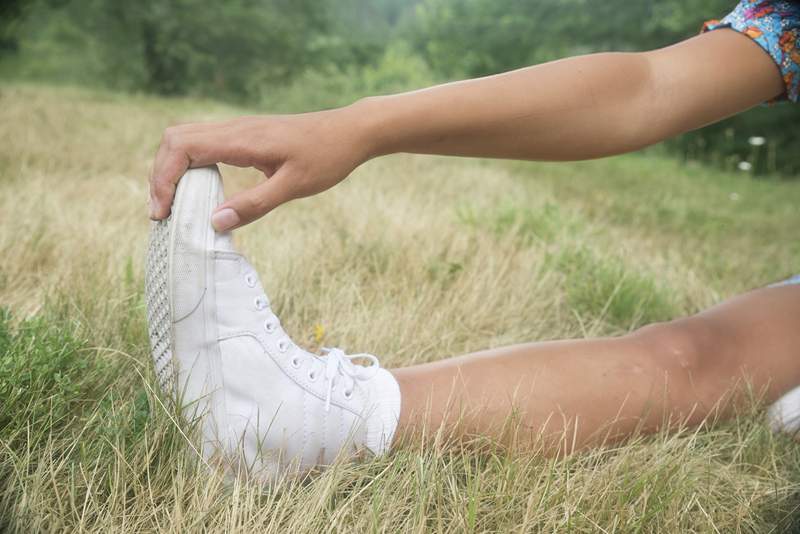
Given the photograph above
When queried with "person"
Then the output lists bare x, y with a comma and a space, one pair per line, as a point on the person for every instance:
579, 392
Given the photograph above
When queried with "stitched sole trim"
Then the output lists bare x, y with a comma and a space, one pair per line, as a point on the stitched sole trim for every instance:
159, 322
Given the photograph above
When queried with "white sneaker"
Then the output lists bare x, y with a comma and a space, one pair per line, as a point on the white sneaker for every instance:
263, 404
784, 414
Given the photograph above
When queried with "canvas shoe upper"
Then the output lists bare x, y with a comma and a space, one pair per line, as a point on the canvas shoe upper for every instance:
784, 414
263, 404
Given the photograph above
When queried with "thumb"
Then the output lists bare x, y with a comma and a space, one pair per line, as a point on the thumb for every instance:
246, 206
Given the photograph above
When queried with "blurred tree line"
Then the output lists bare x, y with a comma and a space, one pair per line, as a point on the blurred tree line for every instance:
291, 55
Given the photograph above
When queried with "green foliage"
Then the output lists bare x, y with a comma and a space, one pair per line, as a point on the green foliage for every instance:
726, 144
597, 286
480, 37
396, 70
185, 46
359, 31
10, 13
526, 223
235, 50
44, 373
474, 38
603, 287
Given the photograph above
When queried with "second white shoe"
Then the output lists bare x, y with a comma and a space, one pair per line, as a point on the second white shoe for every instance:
784, 414
264, 405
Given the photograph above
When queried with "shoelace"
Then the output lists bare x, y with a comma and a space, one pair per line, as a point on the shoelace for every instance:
337, 363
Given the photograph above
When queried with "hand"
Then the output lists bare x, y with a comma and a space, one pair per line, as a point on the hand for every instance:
300, 155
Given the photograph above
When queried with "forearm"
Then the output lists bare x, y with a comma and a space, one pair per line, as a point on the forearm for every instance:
571, 109
578, 108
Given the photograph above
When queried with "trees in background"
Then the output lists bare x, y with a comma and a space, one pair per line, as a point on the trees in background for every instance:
479, 37
174, 46
12, 12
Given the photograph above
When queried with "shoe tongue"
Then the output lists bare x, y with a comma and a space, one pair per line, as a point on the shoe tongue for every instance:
247, 265
224, 241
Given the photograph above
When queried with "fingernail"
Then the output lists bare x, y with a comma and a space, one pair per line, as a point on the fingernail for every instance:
224, 219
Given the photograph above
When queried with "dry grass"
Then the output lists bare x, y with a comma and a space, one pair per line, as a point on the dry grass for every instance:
413, 259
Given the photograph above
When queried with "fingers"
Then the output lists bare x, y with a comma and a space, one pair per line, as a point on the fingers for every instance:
247, 206
170, 163
182, 147
241, 142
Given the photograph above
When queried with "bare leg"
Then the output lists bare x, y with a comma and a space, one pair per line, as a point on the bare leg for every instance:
590, 390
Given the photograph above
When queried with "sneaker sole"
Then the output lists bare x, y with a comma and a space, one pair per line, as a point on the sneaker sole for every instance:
180, 298
159, 323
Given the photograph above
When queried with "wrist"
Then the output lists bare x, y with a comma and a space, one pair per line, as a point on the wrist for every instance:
371, 120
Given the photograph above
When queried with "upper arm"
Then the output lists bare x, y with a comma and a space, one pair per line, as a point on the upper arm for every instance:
705, 79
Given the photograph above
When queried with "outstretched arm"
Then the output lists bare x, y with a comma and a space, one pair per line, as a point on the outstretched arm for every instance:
578, 108
582, 107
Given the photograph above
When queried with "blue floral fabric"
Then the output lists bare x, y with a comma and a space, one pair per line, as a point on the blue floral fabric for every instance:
775, 26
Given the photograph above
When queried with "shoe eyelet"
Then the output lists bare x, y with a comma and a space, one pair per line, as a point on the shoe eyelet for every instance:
261, 302
296, 362
312, 375
250, 280
283, 345
348, 394
270, 326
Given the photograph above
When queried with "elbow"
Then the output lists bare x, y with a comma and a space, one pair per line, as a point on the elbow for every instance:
622, 100
643, 121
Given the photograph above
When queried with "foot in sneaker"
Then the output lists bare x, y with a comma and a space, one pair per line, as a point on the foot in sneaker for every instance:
264, 405
784, 414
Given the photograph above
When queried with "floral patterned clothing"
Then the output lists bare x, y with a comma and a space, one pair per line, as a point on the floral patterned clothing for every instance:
775, 26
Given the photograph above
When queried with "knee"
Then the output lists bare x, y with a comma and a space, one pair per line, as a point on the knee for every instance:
683, 349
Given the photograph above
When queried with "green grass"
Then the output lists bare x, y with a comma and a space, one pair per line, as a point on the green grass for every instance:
739, 228
414, 259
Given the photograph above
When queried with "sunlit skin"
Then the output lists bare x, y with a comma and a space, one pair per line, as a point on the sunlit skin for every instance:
574, 393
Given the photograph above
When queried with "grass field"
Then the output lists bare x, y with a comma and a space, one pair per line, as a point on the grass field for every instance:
414, 259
